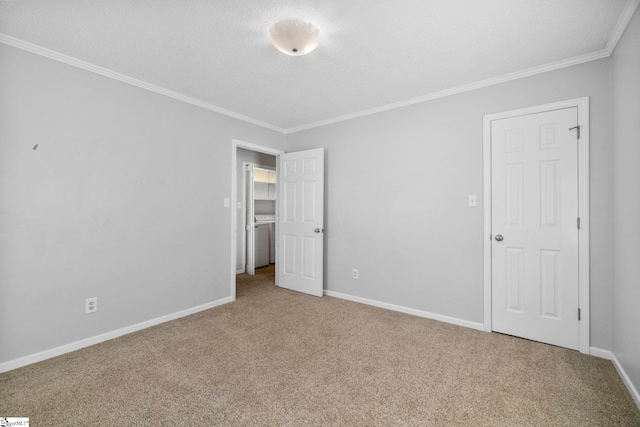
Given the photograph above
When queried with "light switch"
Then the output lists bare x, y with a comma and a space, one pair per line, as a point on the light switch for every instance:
473, 200
227, 202
239, 205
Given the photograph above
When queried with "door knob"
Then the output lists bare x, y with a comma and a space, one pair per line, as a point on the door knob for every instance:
499, 237
317, 230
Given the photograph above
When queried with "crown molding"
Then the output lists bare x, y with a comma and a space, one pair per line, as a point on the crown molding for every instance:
616, 34
621, 25
460, 89
57, 56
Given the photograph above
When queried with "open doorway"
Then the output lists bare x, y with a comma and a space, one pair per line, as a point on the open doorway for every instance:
254, 201
258, 213
299, 243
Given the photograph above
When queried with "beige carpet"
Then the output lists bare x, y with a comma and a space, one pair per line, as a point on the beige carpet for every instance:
276, 357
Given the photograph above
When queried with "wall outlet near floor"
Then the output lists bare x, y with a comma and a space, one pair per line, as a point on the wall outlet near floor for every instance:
355, 273
91, 305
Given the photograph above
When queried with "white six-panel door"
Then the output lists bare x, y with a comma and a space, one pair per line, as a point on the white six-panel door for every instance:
534, 213
300, 225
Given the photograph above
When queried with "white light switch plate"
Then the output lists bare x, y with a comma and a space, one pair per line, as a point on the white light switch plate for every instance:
227, 202
473, 200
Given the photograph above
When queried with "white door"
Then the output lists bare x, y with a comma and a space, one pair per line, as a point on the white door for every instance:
300, 224
534, 179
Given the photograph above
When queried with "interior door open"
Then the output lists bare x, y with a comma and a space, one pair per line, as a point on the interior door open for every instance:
300, 225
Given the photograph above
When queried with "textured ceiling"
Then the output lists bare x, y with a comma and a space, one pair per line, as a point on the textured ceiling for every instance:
372, 53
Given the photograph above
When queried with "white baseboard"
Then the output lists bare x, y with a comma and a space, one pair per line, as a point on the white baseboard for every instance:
594, 351
609, 355
603, 354
240, 271
626, 380
77, 345
407, 310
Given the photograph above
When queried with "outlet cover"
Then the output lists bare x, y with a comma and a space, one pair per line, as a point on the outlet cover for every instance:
91, 305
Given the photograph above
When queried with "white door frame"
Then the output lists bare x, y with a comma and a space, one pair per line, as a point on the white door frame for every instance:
583, 209
235, 144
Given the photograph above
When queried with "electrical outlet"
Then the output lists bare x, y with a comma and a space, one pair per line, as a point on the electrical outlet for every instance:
91, 305
355, 273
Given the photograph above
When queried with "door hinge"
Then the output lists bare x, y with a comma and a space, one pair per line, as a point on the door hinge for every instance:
578, 314
576, 128
578, 223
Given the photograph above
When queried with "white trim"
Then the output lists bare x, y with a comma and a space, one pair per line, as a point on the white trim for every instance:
606, 354
77, 345
584, 245
240, 271
626, 380
486, 253
582, 105
621, 25
235, 144
617, 32
460, 89
407, 310
602, 354
56, 56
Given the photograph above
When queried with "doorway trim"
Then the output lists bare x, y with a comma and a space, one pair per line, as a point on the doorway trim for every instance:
235, 144
582, 105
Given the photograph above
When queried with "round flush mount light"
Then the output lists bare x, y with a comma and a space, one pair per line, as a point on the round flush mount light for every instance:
294, 37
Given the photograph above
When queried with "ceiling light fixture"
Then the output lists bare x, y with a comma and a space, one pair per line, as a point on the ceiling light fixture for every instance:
294, 37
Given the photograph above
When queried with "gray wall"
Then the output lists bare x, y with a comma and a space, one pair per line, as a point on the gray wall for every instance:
397, 186
251, 157
626, 207
122, 199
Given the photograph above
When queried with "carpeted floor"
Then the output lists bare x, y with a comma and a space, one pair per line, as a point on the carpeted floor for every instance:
276, 357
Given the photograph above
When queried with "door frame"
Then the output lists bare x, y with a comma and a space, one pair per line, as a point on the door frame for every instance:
235, 144
582, 105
